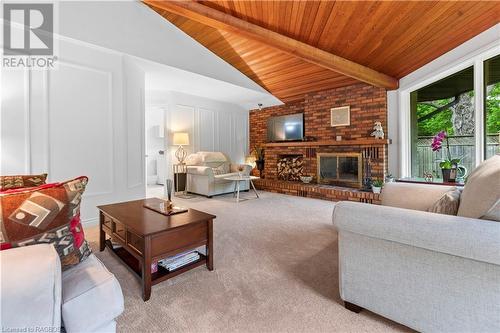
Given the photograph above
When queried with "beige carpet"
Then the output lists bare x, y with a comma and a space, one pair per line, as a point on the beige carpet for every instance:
275, 271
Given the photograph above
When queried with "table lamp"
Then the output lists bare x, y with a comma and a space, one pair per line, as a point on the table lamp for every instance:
181, 139
250, 160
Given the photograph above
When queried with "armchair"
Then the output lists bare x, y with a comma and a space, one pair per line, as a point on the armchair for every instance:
206, 172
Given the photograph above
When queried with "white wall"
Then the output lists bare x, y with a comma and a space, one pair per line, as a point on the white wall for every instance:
133, 28
472, 52
84, 117
212, 125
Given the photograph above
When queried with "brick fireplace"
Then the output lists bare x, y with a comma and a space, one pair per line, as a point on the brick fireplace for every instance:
367, 105
367, 151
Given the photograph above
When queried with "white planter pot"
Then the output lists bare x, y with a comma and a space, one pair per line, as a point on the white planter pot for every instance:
376, 189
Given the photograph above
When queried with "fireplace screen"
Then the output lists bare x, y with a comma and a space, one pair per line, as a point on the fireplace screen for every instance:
341, 168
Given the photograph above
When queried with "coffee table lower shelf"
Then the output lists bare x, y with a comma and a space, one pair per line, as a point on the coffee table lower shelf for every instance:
134, 265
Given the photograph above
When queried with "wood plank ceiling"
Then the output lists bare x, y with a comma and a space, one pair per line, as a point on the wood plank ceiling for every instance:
392, 37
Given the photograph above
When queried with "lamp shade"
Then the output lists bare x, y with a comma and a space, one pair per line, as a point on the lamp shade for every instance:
250, 160
181, 139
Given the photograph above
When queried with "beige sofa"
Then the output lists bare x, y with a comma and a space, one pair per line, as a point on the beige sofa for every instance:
36, 295
428, 271
206, 172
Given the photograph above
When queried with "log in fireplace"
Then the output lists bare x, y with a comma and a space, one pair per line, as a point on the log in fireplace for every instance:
290, 167
340, 169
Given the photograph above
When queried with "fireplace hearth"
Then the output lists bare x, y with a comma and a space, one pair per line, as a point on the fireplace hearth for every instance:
340, 169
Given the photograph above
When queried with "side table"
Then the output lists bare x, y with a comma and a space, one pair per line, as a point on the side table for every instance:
237, 180
181, 181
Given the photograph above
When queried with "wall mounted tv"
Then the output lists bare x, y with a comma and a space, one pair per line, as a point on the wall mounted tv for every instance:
285, 128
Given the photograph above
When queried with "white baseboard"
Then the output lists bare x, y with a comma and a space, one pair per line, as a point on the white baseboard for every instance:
90, 222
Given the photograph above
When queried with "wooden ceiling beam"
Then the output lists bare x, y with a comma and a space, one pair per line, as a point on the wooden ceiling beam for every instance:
220, 20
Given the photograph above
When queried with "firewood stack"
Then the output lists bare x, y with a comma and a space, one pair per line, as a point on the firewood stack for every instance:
290, 168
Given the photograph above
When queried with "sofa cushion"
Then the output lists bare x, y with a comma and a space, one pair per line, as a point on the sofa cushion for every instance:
482, 189
193, 159
21, 181
49, 214
447, 204
212, 156
412, 196
91, 296
30, 289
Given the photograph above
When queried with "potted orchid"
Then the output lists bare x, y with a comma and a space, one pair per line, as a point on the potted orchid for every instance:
449, 166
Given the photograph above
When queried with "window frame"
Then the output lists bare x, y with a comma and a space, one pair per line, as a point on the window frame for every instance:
404, 122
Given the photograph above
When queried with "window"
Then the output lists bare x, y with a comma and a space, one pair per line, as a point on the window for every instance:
446, 105
491, 106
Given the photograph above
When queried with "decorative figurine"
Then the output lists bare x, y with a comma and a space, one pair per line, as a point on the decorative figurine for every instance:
378, 132
428, 177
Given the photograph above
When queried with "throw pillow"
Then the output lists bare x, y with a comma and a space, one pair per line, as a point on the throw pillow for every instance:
46, 214
482, 189
494, 213
21, 181
447, 204
220, 170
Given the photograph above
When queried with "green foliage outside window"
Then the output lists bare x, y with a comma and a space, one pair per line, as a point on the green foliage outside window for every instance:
442, 121
493, 110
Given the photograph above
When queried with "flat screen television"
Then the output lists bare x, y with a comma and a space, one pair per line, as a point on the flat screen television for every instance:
285, 128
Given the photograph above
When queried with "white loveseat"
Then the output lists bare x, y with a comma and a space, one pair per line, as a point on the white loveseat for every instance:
37, 297
428, 271
206, 172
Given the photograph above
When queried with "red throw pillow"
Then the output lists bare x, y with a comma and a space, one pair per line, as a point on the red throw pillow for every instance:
21, 181
47, 214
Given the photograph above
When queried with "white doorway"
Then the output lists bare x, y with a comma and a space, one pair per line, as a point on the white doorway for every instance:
155, 151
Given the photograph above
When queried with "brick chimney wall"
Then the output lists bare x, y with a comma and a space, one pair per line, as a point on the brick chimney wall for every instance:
367, 105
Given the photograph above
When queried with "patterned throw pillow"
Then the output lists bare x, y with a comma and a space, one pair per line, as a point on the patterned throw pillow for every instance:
220, 170
447, 204
46, 214
21, 181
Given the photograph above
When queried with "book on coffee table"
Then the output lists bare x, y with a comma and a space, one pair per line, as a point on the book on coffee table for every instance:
160, 206
180, 260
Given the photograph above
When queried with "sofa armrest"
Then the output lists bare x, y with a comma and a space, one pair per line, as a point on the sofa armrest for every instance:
246, 168
200, 171
412, 196
460, 236
30, 288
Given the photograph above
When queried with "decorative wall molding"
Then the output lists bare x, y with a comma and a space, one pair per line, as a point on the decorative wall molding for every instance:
109, 114
142, 182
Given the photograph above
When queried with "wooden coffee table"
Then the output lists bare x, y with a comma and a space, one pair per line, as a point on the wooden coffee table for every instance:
146, 236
